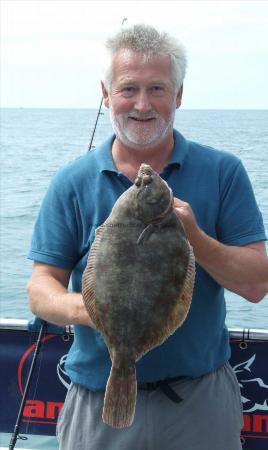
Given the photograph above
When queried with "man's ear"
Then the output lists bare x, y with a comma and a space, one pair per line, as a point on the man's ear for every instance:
179, 97
105, 95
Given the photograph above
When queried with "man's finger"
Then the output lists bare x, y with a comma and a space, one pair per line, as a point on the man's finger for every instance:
177, 203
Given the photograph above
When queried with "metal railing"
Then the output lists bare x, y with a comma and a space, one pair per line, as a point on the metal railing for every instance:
235, 333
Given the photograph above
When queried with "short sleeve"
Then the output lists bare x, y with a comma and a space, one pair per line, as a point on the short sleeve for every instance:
55, 234
240, 221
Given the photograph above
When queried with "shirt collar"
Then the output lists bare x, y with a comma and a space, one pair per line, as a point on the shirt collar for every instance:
103, 154
180, 149
106, 162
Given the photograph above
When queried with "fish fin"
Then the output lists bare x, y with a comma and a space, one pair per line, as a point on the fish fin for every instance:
185, 299
120, 397
183, 303
88, 290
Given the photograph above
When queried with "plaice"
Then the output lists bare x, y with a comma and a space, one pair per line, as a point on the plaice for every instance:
138, 283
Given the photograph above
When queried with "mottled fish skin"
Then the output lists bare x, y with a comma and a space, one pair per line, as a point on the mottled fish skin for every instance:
138, 283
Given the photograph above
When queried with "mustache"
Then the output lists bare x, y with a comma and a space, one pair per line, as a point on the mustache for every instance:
143, 116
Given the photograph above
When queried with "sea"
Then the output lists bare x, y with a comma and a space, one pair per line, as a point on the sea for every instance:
35, 143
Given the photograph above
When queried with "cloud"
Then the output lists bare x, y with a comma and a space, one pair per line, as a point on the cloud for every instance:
227, 43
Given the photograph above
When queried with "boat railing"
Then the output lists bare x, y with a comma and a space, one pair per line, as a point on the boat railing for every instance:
235, 333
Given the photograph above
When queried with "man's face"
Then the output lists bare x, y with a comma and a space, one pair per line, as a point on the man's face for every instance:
142, 99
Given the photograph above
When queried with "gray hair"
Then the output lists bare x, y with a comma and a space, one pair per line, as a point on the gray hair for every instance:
149, 42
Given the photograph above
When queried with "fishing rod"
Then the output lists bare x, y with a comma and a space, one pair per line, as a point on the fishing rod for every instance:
15, 433
99, 110
95, 126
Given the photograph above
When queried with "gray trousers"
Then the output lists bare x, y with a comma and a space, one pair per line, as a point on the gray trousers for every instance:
208, 418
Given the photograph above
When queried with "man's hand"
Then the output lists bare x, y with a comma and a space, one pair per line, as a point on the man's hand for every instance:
50, 299
241, 269
187, 217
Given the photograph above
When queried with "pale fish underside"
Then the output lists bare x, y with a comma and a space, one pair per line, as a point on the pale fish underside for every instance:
137, 286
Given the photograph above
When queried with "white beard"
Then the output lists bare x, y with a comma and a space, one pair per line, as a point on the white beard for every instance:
141, 135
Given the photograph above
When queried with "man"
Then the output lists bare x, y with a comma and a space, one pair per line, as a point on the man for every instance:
142, 88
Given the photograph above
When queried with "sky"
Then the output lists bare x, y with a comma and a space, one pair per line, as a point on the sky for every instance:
52, 50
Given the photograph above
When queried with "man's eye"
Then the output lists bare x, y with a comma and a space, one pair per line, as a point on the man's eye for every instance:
128, 91
157, 90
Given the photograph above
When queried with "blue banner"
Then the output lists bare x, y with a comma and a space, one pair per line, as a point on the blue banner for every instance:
250, 363
50, 382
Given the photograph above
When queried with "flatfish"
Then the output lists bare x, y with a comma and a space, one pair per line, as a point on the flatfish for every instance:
137, 285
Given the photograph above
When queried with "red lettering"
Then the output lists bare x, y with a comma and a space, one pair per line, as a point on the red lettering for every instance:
34, 408
260, 423
53, 409
247, 423
42, 410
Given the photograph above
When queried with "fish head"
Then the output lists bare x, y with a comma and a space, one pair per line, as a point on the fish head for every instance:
153, 195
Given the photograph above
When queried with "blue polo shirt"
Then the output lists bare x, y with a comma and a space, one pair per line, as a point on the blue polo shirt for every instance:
80, 198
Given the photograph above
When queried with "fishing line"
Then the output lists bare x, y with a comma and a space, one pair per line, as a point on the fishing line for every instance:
31, 342
99, 110
15, 433
95, 126
38, 372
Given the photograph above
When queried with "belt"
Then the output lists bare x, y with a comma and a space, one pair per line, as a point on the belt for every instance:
164, 385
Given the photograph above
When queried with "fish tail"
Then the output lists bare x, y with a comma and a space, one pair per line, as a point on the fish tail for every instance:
120, 397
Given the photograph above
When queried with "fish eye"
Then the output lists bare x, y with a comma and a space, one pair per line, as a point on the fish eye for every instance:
153, 201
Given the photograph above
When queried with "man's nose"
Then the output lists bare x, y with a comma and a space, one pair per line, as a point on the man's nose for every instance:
142, 101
